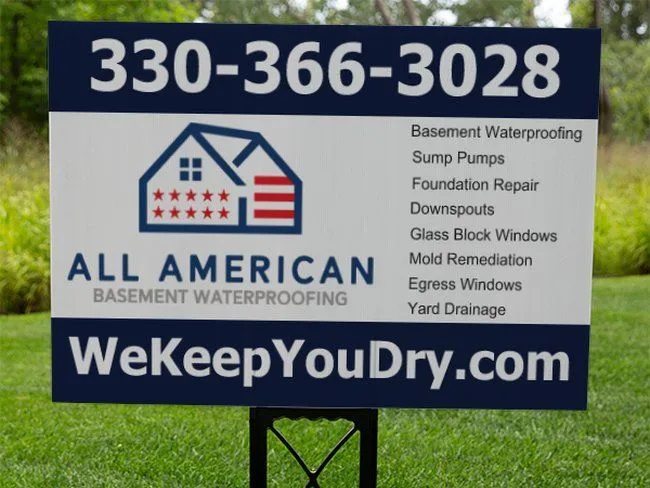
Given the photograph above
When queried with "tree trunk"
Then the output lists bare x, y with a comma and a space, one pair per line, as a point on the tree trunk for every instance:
605, 113
412, 12
596, 13
383, 11
14, 63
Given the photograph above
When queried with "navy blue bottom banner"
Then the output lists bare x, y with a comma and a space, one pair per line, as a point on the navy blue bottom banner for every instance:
320, 364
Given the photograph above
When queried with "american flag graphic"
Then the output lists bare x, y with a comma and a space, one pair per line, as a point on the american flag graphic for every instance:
274, 198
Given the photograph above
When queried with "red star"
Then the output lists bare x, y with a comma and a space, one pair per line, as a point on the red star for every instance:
158, 212
207, 213
207, 195
223, 213
174, 194
223, 196
158, 195
190, 195
190, 213
174, 211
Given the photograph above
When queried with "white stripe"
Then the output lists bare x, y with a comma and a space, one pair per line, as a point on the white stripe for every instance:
274, 189
273, 205
273, 222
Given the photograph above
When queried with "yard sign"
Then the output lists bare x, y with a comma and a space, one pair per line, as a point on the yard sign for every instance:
322, 216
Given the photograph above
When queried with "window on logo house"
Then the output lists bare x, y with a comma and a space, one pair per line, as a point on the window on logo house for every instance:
194, 171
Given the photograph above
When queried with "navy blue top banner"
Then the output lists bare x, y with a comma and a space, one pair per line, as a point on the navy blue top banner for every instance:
324, 70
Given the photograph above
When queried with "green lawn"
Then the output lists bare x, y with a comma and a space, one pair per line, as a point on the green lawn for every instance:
46, 444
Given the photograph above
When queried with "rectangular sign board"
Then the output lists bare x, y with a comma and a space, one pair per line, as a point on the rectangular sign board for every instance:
322, 216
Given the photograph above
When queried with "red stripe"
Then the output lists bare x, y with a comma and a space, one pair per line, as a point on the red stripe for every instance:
273, 214
272, 180
274, 197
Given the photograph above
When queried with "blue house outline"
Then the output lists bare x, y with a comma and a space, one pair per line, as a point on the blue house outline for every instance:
256, 140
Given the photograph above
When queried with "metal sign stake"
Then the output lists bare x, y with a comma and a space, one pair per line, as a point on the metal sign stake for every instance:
364, 421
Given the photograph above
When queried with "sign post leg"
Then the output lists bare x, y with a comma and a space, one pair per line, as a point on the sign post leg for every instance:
261, 420
368, 449
257, 448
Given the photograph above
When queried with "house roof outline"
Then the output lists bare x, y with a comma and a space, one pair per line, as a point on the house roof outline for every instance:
256, 140
196, 131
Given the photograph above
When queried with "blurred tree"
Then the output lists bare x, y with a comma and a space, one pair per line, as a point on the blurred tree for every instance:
258, 11
625, 70
518, 13
23, 41
369, 12
619, 19
23, 70
624, 88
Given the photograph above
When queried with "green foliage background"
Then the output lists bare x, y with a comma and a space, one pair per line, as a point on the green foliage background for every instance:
622, 214
23, 37
24, 222
625, 68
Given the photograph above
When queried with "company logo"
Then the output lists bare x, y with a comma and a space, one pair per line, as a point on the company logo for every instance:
220, 180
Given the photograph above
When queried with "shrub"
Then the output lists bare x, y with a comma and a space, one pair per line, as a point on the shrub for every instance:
622, 218
24, 222
24, 249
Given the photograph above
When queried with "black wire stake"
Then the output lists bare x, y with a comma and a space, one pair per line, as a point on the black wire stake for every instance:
262, 421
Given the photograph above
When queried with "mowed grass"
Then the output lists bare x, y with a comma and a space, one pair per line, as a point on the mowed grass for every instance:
46, 444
